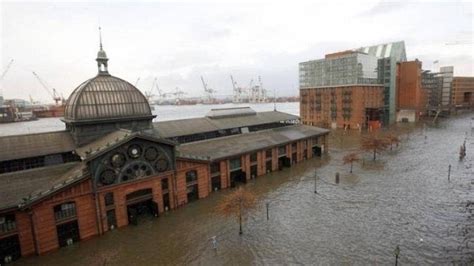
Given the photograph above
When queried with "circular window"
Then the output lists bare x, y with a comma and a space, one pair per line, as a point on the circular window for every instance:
162, 165
107, 177
134, 151
118, 160
151, 153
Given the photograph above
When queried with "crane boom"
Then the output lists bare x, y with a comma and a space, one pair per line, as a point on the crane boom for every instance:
51, 92
204, 84
233, 82
6, 69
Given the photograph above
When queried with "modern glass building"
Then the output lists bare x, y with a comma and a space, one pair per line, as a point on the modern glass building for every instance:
388, 54
347, 68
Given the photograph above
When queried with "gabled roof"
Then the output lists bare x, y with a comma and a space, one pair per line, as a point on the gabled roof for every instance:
114, 139
24, 187
31, 145
225, 147
183, 127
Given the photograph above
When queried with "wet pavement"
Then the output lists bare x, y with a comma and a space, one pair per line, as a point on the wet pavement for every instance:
404, 198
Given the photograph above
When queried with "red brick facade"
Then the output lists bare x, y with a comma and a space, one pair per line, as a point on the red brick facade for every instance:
37, 226
340, 106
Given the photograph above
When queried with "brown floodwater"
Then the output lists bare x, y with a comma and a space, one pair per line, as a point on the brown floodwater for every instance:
404, 198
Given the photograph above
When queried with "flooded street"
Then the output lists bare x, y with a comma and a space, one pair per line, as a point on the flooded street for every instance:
404, 199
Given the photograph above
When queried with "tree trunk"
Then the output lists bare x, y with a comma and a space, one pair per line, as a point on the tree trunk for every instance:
375, 152
351, 168
390, 145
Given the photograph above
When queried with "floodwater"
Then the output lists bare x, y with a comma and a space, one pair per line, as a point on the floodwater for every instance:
404, 199
162, 112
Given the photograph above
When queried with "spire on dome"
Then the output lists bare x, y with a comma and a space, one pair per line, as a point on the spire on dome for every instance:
102, 57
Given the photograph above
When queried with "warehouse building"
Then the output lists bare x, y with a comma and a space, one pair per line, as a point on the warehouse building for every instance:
112, 164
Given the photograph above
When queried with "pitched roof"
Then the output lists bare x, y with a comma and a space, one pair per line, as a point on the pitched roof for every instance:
234, 145
16, 186
31, 145
183, 127
113, 139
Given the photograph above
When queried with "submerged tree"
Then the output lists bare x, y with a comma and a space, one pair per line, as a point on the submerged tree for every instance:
237, 204
350, 159
374, 143
392, 139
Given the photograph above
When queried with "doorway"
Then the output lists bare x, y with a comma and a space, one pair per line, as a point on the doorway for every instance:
283, 161
10, 248
68, 233
253, 171
140, 205
237, 176
317, 151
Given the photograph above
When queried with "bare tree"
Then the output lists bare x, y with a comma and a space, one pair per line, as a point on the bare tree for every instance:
350, 159
237, 204
374, 143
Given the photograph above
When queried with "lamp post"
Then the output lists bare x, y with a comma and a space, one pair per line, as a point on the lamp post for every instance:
397, 253
315, 182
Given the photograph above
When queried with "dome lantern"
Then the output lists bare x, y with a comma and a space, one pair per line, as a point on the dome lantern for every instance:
102, 58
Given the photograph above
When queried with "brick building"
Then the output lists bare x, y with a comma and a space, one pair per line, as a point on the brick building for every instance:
341, 90
463, 92
412, 98
351, 106
112, 164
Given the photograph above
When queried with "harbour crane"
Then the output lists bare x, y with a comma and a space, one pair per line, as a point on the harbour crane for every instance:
149, 94
238, 91
52, 92
1, 79
6, 70
136, 82
209, 91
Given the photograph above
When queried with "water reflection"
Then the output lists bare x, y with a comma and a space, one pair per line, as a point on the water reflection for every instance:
404, 198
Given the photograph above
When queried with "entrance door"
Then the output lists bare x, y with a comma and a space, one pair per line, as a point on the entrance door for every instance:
10, 249
111, 219
268, 166
166, 201
294, 158
193, 192
68, 233
316, 151
253, 171
237, 176
216, 183
283, 162
140, 203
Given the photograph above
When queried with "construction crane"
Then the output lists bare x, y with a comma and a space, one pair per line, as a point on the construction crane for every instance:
209, 91
52, 92
136, 82
178, 93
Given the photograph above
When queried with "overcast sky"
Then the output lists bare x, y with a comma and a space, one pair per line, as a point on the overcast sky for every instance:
177, 43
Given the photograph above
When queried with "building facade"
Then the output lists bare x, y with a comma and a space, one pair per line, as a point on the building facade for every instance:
341, 91
463, 92
112, 164
412, 98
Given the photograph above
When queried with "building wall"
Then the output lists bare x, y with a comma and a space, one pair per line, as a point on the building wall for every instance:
45, 223
463, 92
339, 106
410, 94
92, 212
